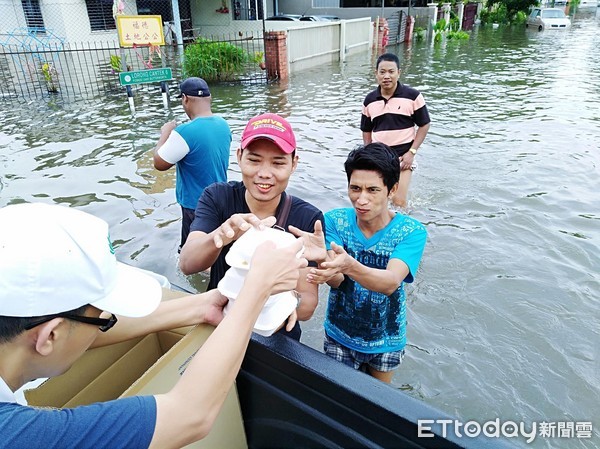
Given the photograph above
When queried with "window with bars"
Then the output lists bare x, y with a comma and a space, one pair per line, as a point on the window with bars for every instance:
247, 10
100, 14
33, 16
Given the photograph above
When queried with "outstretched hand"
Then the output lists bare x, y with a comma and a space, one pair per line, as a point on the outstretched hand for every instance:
314, 243
338, 262
236, 225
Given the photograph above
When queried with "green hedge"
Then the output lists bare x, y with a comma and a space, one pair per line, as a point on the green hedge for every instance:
214, 61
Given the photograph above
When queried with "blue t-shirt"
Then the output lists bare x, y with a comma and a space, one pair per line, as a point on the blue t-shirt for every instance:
361, 319
209, 140
126, 423
222, 200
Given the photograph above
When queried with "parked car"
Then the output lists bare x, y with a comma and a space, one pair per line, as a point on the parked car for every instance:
290, 17
319, 18
548, 19
588, 4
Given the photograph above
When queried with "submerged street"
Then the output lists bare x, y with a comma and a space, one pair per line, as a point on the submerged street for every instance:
502, 320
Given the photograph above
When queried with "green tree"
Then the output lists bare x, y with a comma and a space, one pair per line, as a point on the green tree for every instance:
504, 11
514, 6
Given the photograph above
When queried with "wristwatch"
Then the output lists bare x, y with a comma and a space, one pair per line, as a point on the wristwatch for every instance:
298, 297
413, 151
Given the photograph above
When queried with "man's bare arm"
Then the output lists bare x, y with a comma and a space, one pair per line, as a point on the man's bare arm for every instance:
309, 297
187, 412
198, 253
185, 311
201, 250
375, 279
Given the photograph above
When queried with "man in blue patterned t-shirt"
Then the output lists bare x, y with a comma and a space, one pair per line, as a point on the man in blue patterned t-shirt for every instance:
372, 252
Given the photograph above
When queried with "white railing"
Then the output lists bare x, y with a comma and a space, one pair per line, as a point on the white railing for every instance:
314, 43
358, 35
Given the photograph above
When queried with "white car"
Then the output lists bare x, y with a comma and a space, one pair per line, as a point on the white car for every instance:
548, 19
588, 4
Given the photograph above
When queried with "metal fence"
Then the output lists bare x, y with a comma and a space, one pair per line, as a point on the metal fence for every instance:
71, 49
94, 20
397, 25
70, 70
422, 18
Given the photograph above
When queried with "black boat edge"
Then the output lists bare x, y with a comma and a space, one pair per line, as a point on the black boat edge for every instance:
293, 396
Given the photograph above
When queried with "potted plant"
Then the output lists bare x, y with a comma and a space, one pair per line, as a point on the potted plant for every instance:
419, 33
116, 66
439, 29
224, 9
50, 76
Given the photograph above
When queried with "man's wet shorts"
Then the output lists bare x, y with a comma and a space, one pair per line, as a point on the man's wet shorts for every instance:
384, 362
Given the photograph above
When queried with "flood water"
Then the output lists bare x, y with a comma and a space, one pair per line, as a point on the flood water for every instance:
503, 317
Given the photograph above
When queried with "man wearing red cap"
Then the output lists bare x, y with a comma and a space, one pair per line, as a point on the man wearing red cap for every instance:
267, 158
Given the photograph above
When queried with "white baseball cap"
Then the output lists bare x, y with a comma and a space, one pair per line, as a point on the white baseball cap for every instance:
54, 259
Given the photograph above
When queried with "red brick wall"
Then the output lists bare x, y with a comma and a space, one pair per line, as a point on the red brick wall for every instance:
276, 55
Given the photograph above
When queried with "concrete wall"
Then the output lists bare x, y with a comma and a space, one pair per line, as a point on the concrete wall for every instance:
310, 44
65, 20
11, 17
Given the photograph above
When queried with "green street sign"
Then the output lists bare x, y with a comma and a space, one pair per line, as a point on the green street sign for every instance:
145, 76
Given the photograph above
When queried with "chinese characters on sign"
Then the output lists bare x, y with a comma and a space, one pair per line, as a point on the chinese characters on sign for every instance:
140, 30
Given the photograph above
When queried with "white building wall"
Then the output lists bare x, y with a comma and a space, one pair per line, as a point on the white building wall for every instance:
11, 17
66, 19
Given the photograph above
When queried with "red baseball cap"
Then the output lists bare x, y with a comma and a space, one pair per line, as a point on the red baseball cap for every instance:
271, 127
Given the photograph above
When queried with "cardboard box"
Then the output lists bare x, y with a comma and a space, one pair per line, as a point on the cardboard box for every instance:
143, 366
228, 429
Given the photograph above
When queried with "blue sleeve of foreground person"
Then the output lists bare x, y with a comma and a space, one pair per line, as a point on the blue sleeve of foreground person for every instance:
124, 423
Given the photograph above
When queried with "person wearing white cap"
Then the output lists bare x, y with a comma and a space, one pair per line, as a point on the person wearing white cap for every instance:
267, 158
62, 291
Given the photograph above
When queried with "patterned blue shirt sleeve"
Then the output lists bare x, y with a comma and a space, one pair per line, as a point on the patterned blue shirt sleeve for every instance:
410, 249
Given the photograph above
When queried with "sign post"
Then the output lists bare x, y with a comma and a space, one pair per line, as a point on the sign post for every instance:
140, 30
145, 76
143, 31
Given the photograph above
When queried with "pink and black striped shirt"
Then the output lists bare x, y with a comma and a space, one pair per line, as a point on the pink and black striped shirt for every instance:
392, 121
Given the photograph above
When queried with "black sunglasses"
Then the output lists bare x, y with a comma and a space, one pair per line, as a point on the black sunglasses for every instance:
104, 323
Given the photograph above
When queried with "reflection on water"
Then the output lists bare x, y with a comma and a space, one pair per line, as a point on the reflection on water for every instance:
503, 315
